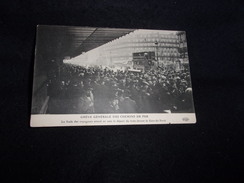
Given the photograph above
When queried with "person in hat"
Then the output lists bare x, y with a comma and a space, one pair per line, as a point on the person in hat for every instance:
86, 101
112, 104
127, 105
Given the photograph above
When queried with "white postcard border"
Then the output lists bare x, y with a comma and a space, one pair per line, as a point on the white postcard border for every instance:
51, 120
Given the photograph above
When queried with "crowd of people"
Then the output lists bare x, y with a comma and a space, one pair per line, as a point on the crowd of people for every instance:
86, 90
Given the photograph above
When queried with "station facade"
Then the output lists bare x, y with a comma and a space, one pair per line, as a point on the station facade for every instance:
169, 48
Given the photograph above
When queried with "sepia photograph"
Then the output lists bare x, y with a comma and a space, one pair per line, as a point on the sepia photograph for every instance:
110, 76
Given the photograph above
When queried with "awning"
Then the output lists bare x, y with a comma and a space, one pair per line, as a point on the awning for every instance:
71, 41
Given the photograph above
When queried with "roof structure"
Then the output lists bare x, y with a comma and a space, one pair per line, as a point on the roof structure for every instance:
61, 41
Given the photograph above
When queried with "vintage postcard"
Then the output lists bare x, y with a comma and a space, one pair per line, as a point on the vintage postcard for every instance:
87, 76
